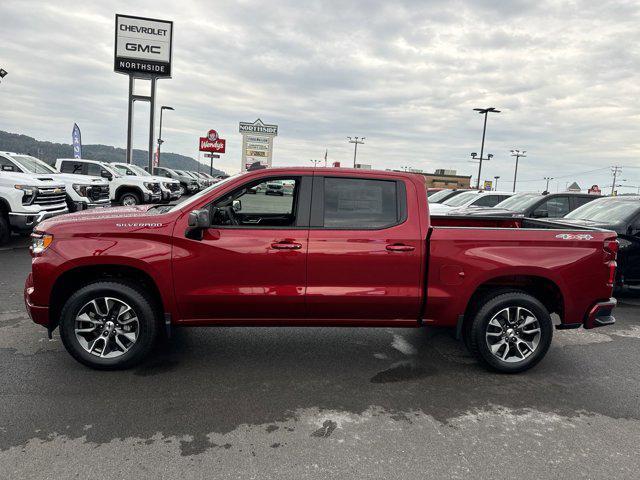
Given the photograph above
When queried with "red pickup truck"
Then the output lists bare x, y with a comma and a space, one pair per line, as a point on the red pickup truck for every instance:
341, 248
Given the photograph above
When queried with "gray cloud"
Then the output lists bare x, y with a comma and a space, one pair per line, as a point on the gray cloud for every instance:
406, 74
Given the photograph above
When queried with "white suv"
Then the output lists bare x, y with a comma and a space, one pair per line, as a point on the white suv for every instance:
170, 188
26, 200
124, 190
82, 191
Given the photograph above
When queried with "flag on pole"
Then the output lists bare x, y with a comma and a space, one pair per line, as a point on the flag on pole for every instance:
326, 152
77, 141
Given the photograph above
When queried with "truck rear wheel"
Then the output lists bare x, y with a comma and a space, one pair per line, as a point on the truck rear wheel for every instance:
510, 332
108, 325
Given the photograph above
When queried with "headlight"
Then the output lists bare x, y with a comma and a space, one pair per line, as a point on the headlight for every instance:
40, 242
149, 185
28, 193
166, 184
81, 189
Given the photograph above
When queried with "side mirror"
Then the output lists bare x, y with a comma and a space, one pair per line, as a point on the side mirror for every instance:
236, 205
8, 168
199, 219
107, 175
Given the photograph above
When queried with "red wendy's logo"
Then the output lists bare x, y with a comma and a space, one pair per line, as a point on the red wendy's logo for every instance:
212, 135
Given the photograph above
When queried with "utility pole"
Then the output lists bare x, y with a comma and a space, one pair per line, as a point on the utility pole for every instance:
615, 170
356, 141
547, 179
160, 141
485, 112
496, 184
517, 154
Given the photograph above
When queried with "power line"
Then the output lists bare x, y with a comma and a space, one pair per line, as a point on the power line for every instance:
565, 176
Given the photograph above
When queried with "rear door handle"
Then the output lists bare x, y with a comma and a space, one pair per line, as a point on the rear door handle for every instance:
400, 248
286, 246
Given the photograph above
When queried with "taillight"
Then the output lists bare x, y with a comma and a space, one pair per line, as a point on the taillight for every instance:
611, 245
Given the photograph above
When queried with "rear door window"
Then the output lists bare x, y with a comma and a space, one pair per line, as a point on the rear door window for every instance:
488, 201
360, 203
69, 166
555, 207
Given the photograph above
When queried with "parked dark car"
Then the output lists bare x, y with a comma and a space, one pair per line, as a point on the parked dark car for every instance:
535, 205
622, 215
445, 194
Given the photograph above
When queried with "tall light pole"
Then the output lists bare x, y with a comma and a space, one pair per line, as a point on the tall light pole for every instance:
517, 154
485, 112
160, 141
548, 179
356, 141
315, 162
615, 170
496, 184
3, 73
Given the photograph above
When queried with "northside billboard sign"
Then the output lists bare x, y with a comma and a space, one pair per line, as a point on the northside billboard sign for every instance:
143, 46
257, 143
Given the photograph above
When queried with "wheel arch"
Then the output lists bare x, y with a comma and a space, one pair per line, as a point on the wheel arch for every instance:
77, 277
543, 289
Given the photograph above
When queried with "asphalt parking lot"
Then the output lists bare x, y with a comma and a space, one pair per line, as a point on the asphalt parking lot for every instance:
315, 403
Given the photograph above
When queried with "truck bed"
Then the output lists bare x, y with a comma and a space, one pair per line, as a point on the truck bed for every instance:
501, 222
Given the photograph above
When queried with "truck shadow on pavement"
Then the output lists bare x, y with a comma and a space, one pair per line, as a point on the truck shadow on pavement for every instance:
218, 379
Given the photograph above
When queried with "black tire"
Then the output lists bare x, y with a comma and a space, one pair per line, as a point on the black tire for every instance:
139, 302
130, 199
476, 333
5, 231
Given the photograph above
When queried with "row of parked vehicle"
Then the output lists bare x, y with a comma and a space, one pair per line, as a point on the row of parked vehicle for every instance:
620, 214
32, 190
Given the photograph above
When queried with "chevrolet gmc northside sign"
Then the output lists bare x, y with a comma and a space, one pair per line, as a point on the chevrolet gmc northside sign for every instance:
143, 46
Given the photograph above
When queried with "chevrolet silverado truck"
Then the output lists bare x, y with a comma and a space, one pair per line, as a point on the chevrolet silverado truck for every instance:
348, 248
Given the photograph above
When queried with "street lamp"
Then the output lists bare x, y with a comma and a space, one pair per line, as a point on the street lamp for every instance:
356, 141
485, 112
160, 141
3, 73
517, 154
315, 162
496, 184
548, 179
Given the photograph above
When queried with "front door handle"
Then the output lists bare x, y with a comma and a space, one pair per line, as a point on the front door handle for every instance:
400, 248
286, 246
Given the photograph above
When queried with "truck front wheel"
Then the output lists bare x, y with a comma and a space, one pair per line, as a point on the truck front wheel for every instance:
108, 325
130, 199
510, 332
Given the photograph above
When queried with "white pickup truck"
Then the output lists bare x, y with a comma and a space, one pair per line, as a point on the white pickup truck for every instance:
170, 187
124, 190
82, 191
27, 199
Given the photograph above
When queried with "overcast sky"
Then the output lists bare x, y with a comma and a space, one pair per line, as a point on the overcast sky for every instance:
405, 74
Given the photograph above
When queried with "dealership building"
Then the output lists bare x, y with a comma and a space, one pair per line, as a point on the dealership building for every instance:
443, 178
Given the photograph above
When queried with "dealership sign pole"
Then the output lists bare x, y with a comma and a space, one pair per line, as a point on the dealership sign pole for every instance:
257, 143
143, 50
214, 145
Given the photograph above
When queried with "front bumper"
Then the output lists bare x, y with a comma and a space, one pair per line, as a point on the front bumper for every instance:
79, 206
26, 221
152, 197
38, 314
601, 314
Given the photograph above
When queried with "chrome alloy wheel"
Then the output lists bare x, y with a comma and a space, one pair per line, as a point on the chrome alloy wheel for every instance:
513, 334
129, 201
107, 327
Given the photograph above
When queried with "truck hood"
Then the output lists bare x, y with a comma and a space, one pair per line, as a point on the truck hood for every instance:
107, 219
80, 179
34, 180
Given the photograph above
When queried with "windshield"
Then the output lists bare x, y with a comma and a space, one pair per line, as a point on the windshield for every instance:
606, 210
139, 171
195, 198
438, 196
519, 203
32, 164
461, 199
